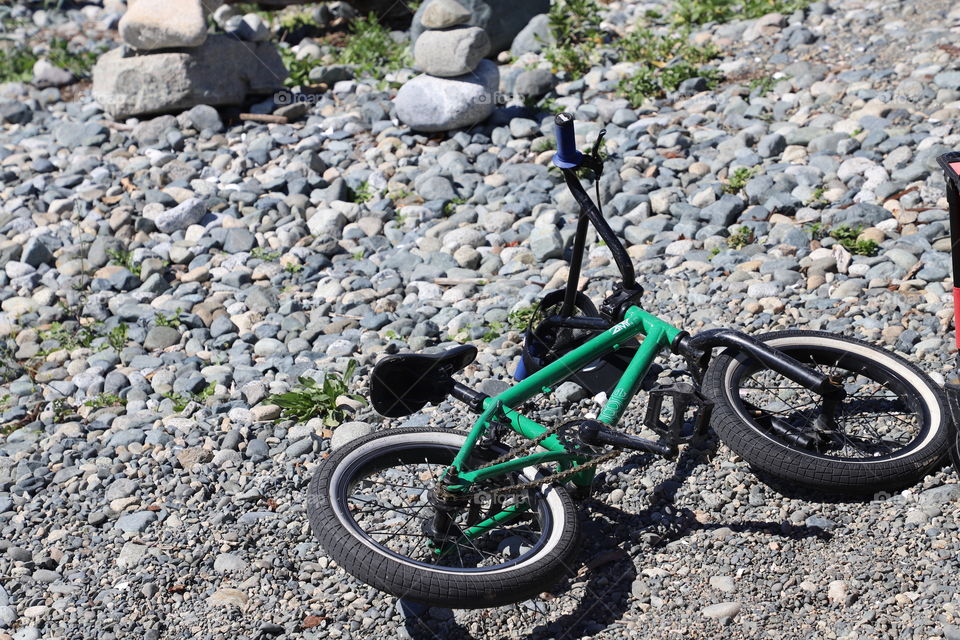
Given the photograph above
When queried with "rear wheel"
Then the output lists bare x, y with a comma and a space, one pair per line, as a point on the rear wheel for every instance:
369, 506
890, 430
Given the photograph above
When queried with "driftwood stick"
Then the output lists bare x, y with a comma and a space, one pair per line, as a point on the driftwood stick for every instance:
264, 117
452, 282
119, 126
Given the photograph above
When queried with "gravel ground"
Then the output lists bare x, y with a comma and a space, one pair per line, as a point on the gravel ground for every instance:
162, 278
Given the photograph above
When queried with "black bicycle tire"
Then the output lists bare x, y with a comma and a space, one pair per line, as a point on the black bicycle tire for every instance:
434, 588
776, 458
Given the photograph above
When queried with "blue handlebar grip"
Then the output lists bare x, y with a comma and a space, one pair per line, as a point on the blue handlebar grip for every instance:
567, 156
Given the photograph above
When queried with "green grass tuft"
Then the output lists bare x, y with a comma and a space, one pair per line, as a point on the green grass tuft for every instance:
575, 26
372, 49
847, 237
668, 60
742, 238
738, 180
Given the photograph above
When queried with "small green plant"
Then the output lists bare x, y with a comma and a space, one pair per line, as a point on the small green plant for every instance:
16, 64
668, 60
79, 62
816, 230
298, 19
399, 194
864, 248
390, 334
494, 329
117, 338
173, 320
363, 193
298, 70
293, 267
673, 76
575, 26
311, 399
644, 45
104, 400
698, 12
81, 337
179, 400
715, 252
372, 49
124, 258
817, 195
751, 9
847, 237
266, 255
519, 319
762, 85
207, 392
742, 238
450, 206
62, 411
358, 255
546, 143
550, 105
244, 8
639, 86
845, 233
738, 180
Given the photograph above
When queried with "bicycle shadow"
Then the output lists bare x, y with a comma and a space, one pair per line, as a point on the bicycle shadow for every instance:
610, 572
814, 496
605, 580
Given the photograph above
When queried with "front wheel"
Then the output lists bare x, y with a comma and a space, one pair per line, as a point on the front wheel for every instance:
890, 430
369, 506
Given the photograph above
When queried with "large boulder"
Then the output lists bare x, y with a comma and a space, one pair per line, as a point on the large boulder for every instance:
427, 103
223, 71
149, 25
451, 52
533, 37
502, 19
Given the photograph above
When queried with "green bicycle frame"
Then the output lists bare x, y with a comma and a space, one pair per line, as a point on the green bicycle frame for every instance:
657, 335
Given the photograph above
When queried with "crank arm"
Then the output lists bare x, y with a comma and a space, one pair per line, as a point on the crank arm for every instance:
595, 433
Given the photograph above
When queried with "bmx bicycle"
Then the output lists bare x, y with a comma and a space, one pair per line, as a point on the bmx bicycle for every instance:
464, 520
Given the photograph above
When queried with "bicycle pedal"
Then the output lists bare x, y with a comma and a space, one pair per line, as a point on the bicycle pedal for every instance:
684, 396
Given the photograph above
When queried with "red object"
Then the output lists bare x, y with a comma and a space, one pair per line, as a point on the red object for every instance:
956, 315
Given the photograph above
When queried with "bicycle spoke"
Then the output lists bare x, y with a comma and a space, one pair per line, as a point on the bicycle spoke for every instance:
872, 420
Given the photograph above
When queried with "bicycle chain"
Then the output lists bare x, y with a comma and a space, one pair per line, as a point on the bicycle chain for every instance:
533, 484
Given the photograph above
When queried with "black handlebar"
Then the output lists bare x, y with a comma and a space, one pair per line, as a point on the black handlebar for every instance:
567, 156
620, 255
569, 159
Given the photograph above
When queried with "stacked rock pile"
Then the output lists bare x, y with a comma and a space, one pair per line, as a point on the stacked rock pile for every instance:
169, 62
458, 86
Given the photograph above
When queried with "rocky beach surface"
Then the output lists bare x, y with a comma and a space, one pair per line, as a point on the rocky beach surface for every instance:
162, 279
